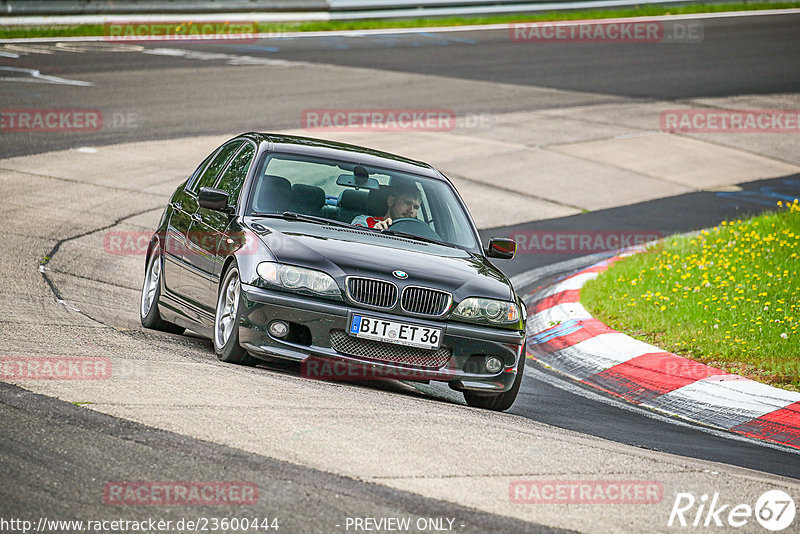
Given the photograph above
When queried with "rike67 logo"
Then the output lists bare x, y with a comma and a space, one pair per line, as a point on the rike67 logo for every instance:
774, 510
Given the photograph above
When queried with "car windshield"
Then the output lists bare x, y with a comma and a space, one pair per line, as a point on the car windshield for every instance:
361, 194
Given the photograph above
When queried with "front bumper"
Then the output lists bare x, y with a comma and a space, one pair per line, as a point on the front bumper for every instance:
317, 318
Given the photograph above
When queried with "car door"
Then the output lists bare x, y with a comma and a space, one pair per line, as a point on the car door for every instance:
207, 232
232, 181
192, 282
177, 227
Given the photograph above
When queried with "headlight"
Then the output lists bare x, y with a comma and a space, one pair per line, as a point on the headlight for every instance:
298, 279
478, 310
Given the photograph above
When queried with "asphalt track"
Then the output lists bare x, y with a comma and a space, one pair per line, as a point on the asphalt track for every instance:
753, 55
60, 436
737, 56
169, 99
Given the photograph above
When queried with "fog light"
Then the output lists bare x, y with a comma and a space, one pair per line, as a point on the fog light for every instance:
278, 328
494, 364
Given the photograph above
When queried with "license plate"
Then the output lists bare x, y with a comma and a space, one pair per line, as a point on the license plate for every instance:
412, 335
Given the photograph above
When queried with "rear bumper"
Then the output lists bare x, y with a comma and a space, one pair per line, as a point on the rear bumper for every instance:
463, 370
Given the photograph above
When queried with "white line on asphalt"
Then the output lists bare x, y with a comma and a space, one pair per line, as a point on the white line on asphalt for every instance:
37, 76
569, 387
51, 20
231, 59
68, 305
389, 31
550, 6
323, 16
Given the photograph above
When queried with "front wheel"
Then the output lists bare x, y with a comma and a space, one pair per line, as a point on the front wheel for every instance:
226, 321
503, 401
151, 292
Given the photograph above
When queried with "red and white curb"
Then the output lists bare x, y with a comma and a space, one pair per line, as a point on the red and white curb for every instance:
562, 335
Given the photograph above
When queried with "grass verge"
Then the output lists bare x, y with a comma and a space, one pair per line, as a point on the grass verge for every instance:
85, 30
728, 297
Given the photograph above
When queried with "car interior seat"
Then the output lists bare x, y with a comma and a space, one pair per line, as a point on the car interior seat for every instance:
308, 199
273, 194
376, 201
352, 203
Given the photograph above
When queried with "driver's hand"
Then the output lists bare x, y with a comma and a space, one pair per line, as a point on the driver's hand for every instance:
384, 224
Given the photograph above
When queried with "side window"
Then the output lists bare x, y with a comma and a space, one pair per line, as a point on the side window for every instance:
233, 178
209, 175
199, 169
424, 208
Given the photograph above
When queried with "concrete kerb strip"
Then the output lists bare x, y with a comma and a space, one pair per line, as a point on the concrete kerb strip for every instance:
324, 17
344, 15
563, 335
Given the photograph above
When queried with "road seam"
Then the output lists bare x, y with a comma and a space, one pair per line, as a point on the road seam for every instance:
79, 182
515, 192
49, 257
614, 166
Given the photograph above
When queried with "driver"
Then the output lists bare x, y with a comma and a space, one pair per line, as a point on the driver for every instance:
402, 202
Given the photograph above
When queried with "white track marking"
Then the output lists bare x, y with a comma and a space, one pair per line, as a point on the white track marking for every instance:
9, 21
556, 315
725, 401
598, 353
37, 77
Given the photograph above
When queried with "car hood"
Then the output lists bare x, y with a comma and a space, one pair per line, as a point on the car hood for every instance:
343, 252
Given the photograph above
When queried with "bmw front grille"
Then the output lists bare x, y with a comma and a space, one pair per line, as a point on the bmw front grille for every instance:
372, 292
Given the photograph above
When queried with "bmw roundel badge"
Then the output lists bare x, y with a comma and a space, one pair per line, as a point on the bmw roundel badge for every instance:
402, 275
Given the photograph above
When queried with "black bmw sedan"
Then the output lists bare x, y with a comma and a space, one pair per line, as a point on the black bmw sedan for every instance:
356, 263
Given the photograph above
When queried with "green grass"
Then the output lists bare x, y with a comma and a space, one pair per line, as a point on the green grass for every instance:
10, 32
728, 297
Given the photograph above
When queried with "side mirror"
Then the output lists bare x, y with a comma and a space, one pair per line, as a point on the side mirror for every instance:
501, 247
213, 199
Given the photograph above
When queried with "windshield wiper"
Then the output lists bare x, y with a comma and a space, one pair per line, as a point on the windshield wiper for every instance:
292, 216
416, 237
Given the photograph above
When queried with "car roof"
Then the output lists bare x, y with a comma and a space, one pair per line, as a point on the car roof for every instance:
342, 151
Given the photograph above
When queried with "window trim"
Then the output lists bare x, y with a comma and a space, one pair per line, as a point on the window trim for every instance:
198, 171
195, 179
246, 174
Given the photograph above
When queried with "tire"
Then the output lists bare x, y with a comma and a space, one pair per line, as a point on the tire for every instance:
503, 401
151, 293
226, 321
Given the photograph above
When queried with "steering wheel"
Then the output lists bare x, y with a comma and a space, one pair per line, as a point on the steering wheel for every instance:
414, 226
